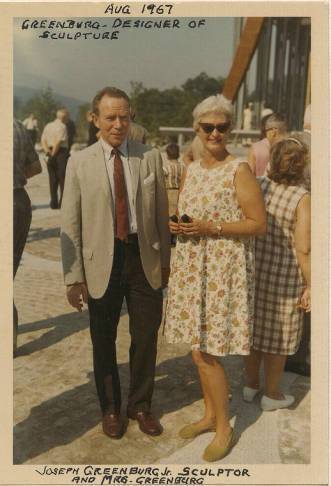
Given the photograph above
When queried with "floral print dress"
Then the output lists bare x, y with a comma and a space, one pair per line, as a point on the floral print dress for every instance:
211, 287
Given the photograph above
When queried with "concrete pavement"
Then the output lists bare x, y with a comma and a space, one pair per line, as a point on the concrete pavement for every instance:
56, 413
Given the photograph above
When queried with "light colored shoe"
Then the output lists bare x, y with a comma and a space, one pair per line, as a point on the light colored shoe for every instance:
269, 404
191, 431
249, 393
215, 453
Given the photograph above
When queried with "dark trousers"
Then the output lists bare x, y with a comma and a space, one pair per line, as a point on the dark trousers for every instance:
56, 167
22, 221
144, 305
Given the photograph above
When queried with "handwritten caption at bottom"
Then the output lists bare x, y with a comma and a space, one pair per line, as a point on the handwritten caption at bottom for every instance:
141, 475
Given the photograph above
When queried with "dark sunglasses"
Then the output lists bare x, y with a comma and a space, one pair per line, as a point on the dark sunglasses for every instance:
209, 127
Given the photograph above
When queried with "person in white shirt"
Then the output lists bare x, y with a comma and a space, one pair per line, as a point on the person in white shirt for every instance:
54, 141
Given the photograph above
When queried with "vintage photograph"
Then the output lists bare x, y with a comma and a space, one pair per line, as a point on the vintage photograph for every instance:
163, 186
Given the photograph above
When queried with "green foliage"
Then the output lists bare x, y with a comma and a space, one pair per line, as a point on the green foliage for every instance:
153, 107
82, 123
42, 104
171, 107
18, 108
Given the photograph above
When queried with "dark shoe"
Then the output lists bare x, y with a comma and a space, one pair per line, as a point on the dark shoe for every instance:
112, 425
147, 423
53, 205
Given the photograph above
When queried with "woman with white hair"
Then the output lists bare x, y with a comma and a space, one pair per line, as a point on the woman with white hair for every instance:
210, 295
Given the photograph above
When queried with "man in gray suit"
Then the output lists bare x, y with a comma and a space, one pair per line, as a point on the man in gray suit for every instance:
116, 243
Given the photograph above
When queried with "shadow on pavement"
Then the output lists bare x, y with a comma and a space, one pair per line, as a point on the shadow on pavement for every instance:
39, 206
69, 415
60, 327
57, 421
37, 234
178, 386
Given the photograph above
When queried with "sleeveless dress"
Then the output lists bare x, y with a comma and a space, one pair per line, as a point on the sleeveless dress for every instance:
279, 281
211, 286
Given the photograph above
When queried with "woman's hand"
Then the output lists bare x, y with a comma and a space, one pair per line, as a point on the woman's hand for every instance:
305, 302
174, 228
198, 227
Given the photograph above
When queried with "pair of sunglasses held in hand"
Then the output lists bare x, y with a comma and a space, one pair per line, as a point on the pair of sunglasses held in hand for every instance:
183, 219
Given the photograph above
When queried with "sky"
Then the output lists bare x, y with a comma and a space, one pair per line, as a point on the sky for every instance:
159, 58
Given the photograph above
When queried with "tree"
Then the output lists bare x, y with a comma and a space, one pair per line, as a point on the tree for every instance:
18, 108
82, 123
202, 86
43, 105
196, 89
171, 107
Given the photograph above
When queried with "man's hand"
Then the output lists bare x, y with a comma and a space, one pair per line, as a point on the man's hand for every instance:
77, 295
165, 271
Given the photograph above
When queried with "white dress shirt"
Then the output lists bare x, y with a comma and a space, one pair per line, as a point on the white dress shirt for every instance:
109, 159
54, 132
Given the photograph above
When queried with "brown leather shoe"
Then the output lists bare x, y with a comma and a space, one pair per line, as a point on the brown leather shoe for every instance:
112, 425
147, 423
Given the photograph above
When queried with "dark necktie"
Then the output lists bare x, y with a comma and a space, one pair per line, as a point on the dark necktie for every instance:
121, 202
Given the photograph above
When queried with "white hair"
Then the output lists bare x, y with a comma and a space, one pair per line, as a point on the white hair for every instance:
213, 104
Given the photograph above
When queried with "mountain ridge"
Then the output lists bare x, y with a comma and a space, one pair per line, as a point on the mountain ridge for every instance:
24, 93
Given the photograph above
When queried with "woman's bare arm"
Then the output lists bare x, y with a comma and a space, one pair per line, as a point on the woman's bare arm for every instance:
251, 201
302, 236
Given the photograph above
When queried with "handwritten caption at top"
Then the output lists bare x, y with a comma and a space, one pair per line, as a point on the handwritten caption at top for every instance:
73, 29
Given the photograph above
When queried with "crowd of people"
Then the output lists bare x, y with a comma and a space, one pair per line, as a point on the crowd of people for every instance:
239, 278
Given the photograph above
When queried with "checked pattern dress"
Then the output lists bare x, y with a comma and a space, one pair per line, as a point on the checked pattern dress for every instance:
279, 281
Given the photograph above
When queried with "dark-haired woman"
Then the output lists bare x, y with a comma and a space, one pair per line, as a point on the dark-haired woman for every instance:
282, 280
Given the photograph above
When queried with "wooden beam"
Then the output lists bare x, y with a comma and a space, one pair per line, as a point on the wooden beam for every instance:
244, 53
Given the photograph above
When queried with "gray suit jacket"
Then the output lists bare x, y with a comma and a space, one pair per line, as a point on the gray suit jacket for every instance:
87, 215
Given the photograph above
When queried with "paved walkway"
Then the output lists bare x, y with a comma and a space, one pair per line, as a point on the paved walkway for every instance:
56, 412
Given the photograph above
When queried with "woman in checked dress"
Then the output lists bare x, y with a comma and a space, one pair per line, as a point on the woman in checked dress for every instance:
210, 295
282, 291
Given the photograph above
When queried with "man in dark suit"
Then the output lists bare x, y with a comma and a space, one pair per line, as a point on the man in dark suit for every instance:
115, 244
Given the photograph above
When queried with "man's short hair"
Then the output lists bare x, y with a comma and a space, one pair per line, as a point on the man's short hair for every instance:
108, 91
276, 120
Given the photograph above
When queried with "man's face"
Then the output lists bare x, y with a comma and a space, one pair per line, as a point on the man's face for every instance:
62, 116
113, 120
